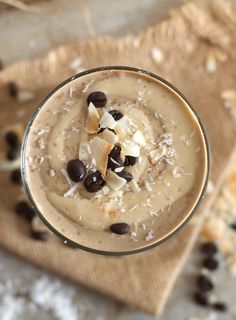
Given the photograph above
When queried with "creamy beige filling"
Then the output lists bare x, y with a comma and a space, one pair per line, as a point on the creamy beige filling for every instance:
159, 115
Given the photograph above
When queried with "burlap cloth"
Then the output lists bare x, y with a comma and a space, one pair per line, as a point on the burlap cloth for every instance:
186, 39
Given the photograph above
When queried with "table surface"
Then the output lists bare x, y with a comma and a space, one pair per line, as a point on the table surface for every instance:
26, 35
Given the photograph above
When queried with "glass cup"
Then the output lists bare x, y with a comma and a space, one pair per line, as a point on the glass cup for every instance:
103, 242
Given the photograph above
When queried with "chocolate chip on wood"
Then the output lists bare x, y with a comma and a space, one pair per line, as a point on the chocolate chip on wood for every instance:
25, 210
94, 182
130, 161
98, 99
125, 175
40, 235
12, 89
76, 170
114, 159
117, 115
12, 139
120, 228
16, 176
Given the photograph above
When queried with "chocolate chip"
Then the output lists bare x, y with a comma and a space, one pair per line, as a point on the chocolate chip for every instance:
12, 89
98, 98
12, 139
219, 306
201, 299
1, 64
40, 235
76, 170
126, 175
204, 283
120, 228
12, 154
130, 161
210, 263
117, 115
94, 182
114, 160
16, 176
209, 248
25, 210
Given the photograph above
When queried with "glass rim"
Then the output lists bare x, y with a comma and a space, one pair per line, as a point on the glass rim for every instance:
148, 246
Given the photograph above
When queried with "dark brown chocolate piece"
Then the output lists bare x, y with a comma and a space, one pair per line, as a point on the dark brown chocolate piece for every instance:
40, 235
125, 175
98, 99
209, 248
76, 170
117, 115
12, 139
16, 176
211, 263
201, 299
12, 89
204, 283
25, 210
130, 161
114, 159
120, 228
94, 182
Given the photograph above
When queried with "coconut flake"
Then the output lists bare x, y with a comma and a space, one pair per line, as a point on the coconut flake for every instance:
131, 148
149, 235
107, 121
157, 55
139, 138
109, 136
92, 119
106, 190
71, 190
65, 174
134, 186
52, 173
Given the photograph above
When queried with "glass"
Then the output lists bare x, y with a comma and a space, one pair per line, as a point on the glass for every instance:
127, 249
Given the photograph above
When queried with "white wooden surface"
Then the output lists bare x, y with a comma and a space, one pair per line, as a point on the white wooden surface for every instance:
27, 35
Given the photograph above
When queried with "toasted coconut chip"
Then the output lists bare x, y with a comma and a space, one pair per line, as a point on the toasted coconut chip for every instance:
123, 127
92, 119
38, 225
131, 148
109, 136
84, 151
6, 165
139, 138
114, 181
100, 150
107, 121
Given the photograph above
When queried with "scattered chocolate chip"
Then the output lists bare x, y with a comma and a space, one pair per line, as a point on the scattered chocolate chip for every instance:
126, 175
102, 129
209, 248
12, 139
219, 306
40, 235
114, 160
25, 210
130, 161
98, 98
76, 170
117, 115
1, 64
201, 299
210, 263
12, 154
94, 182
204, 283
233, 226
12, 89
16, 176
120, 228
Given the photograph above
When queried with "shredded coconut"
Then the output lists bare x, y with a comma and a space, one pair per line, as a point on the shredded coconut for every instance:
71, 190
65, 174
149, 235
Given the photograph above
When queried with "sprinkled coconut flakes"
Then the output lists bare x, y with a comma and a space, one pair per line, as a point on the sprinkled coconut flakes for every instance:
65, 174
71, 190
149, 235
52, 173
133, 236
